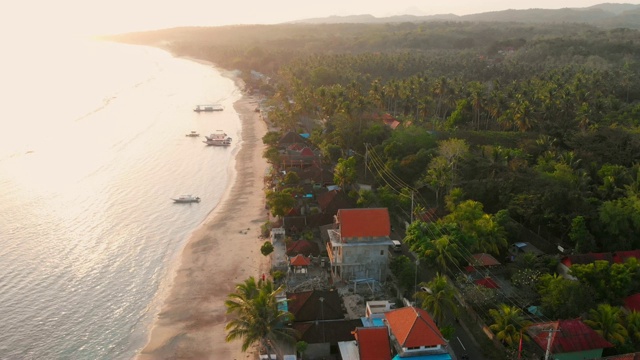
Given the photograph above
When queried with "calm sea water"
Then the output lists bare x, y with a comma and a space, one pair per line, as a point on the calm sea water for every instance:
92, 148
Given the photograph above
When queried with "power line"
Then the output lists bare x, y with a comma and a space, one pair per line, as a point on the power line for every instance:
387, 175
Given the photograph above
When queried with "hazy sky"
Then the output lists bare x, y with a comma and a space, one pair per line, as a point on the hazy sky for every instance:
113, 16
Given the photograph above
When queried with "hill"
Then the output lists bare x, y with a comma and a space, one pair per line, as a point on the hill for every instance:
607, 15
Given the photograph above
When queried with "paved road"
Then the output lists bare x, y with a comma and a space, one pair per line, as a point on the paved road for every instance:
462, 341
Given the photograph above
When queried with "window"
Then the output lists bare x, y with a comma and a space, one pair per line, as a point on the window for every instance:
381, 252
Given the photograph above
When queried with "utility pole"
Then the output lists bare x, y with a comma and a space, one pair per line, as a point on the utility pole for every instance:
322, 310
548, 352
415, 281
366, 156
412, 207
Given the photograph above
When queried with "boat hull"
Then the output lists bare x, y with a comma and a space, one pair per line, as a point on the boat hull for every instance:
208, 108
186, 199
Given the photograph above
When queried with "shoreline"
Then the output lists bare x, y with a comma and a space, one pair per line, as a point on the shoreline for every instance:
223, 251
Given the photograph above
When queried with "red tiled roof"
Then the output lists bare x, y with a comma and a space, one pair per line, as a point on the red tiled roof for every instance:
488, 283
572, 336
307, 152
621, 256
373, 343
326, 198
617, 257
290, 138
300, 260
304, 247
393, 124
364, 222
318, 332
378, 116
306, 305
413, 327
633, 302
484, 259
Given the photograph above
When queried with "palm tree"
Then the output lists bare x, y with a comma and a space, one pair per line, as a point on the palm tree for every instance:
443, 249
508, 324
633, 326
438, 299
258, 320
606, 320
491, 236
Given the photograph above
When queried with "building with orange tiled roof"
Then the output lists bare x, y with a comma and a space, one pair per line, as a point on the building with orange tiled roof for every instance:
358, 245
414, 333
371, 343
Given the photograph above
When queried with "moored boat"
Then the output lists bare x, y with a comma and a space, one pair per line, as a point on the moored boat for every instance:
208, 107
186, 199
219, 138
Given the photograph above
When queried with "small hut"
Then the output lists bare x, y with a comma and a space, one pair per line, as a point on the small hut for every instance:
299, 264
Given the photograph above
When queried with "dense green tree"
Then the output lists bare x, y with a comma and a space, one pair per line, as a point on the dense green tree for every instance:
291, 178
439, 176
580, 235
280, 202
611, 282
404, 270
272, 155
271, 138
434, 242
621, 220
561, 298
486, 233
344, 174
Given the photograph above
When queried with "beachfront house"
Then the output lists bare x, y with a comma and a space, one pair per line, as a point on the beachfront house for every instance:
320, 321
358, 245
413, 333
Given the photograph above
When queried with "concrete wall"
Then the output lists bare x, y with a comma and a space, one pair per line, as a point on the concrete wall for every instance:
369, 261
317, 351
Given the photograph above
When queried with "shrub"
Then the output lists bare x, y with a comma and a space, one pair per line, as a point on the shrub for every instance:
266, 248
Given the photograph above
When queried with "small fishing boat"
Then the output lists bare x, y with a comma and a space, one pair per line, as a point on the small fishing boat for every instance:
208, 107
192, 134
186, 199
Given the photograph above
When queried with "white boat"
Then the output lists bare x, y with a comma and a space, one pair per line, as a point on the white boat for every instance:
219, 138
208, 107
193, 134
186, 199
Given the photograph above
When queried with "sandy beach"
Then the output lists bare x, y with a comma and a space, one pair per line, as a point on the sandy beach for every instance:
222, 252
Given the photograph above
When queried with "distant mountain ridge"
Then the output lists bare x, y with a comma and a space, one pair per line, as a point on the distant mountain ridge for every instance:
609, 15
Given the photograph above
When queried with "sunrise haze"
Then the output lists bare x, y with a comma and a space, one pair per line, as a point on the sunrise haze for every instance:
76, 17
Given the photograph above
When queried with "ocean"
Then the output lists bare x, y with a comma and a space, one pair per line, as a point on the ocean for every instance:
92, 148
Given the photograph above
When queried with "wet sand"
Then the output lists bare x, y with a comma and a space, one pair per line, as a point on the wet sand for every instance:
222, 252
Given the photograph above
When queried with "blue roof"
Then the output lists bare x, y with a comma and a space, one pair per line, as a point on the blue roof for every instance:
305, 135
424, 357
